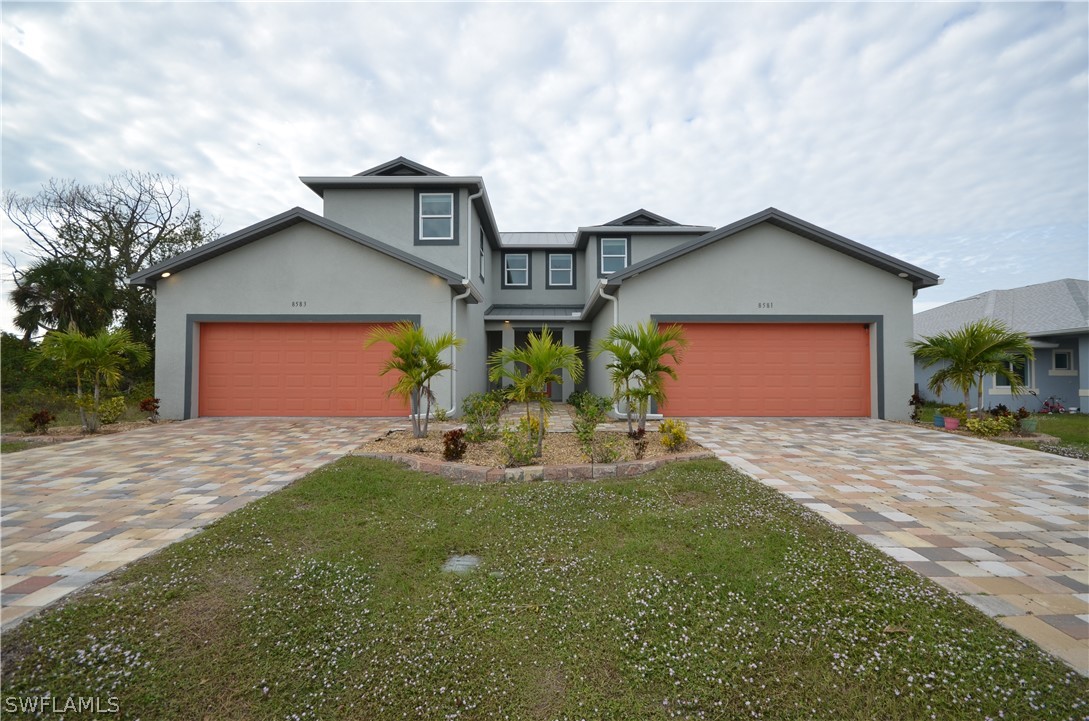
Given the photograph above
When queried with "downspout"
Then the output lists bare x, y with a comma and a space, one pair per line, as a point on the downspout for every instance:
454, 302
617, 413
453, 350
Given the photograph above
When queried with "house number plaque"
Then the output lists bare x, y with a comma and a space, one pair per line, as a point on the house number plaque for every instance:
765, 304
298, 304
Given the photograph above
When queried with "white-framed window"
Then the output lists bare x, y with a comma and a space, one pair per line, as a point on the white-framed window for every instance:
613, 256
561, 270
1062, 363
436, 216
516, 270
1023, 370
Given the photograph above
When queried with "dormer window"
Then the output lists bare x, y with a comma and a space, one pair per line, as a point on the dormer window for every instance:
435, 223
613, 256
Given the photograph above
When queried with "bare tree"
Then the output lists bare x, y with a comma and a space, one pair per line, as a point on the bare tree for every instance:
127, 223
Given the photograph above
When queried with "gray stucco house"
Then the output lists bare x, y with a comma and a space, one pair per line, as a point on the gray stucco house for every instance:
1054, 315
785, 318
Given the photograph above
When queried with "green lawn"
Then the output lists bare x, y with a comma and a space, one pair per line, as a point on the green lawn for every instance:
14, 446
693, 592
1072, 429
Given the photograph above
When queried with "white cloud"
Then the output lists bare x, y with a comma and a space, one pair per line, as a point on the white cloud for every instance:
954, 136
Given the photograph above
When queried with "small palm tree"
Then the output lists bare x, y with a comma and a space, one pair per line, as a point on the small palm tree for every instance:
100, 359
530, 368
638, 369
418, 358
972, 352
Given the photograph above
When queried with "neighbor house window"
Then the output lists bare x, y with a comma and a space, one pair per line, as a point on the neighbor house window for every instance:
1062, 363
516, 270
614, 255
436, 216
1016, 370
561, 270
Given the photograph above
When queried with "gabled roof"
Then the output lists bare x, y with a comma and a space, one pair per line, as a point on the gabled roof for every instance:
1056, 307
642, 217
401, 166
919, 278
277, 223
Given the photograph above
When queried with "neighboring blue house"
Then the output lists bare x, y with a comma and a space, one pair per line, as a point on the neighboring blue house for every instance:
1055, 316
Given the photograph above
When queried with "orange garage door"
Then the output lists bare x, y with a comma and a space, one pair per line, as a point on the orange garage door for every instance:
293, 369
773, 369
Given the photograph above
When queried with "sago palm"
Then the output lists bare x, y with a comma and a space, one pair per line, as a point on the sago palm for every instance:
972, 352
639, 367
530, 368
417, 357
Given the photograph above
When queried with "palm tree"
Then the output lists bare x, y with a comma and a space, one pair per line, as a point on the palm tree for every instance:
61, 293
638, 369
418, 358
972, 352
100, 359
530, 368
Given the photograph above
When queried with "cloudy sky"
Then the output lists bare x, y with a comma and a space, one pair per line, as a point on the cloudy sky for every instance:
953, 136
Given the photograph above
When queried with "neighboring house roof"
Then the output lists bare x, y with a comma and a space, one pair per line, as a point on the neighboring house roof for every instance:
537, 240
533, 312
277, 223
919, 278
1053, 308
401, 166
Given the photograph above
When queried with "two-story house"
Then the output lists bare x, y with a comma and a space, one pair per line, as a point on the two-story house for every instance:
784, 318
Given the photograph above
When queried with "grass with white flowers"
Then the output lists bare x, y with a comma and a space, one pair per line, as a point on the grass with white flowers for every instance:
693, 592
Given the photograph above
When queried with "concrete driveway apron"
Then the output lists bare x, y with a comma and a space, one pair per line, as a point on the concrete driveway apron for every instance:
76, 511
1004, 528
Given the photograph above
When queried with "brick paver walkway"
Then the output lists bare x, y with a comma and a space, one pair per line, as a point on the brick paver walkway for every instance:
76, 511
1004, 528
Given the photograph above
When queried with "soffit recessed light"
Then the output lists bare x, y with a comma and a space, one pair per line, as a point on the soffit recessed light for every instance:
165, 275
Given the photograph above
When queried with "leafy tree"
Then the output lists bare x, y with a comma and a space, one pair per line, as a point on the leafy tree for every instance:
530, 368
63, 293
120, 226
418, 359
975, 350
98, 359
638, 369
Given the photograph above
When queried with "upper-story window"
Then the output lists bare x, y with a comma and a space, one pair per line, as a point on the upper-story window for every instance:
516, 270
436, 221
613, 255
561, 270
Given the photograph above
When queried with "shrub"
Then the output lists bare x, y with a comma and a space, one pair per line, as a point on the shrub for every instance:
453, 445
440, 414
521, 448
608, 447
39, 422
993, 426
149, 405
1000, 410
674, 434
586, 421
481, 415
110, 411
916, 402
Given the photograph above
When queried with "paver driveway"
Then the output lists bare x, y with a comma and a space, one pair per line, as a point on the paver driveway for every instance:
1005, 528
76, 511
